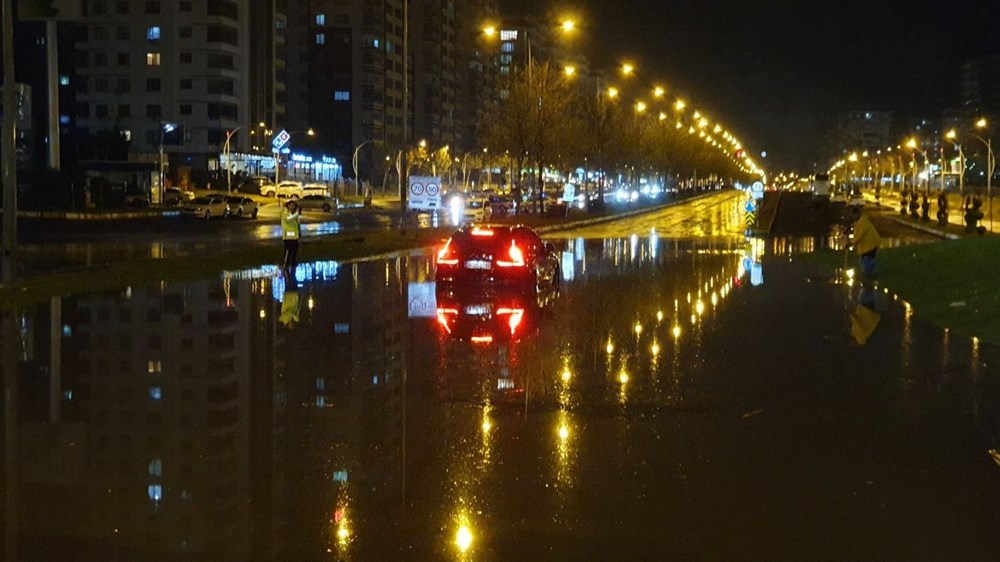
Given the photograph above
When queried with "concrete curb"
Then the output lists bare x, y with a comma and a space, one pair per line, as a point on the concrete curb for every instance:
925, 229
124, 215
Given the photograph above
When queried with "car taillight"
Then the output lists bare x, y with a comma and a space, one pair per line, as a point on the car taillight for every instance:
516, 314
515, 257
443, 315
446, 256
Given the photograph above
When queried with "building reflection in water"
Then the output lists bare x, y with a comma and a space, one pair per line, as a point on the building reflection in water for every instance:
188, 419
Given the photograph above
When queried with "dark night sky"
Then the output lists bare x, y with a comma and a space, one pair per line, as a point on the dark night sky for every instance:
778, 71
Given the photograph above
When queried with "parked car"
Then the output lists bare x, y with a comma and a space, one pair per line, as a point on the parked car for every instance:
323, 203
206, 206
136, 199
315, 188
485, 258
256, 185
289, 189
240, 206
174, 196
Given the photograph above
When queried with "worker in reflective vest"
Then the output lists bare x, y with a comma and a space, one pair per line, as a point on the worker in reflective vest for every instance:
290, 232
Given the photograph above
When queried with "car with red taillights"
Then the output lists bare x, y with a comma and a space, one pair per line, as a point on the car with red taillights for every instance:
488, 256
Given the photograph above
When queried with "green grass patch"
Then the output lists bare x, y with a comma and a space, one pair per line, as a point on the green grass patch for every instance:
145, 272
954, 283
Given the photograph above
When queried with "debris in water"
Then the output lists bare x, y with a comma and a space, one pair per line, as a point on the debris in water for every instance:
957, 304
753, 413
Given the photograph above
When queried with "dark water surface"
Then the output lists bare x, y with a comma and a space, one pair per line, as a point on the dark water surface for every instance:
696, 398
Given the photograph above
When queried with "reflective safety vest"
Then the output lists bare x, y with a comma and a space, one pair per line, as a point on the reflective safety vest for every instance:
290, 225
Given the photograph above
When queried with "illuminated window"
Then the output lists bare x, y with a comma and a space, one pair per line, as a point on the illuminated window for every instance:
321, 38
507, 47
508, 35
342, 95
320, 19
155, 492
64, 80
152, 59
154, 366
376, 43
153, 33
155, 393
156, 467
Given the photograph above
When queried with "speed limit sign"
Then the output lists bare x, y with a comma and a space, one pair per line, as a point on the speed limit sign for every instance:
417, 189
425, 193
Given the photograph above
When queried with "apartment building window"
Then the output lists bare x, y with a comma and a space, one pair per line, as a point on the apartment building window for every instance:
223, 34
123, 59
101, 111
99, 7
321, 38
153, 137
153, 33
100, 59
185, 58
184, 32
220, 87
100, 85
152, 84
100, 33
223, 8
153, 111
320, 19
123, 34
152, 59
342, 95
153, 7
122, 7
124, 85
186, 109
186, 83
185, 6
124, 110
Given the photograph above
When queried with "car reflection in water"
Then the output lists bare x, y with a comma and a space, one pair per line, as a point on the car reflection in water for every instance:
506, 316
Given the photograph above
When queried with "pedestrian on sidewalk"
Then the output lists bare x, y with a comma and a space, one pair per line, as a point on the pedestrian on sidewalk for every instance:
866, 242
291, 230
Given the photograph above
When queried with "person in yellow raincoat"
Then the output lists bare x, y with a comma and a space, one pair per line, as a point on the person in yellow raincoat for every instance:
866, 243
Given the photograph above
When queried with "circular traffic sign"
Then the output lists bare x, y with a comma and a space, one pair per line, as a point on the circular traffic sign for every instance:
417, 188
432, 189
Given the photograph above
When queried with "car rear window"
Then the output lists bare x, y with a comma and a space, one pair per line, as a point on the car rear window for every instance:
204, 200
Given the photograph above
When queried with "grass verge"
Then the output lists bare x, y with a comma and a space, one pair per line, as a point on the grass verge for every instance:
954, 283
144, 272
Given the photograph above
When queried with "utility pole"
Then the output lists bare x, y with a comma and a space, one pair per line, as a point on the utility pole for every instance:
52, 85
9, 142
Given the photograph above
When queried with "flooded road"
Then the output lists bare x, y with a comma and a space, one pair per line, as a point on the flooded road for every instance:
696, 395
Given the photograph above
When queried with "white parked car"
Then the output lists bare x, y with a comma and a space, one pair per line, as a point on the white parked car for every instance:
290, 189
241, 206
323, 203
315, 188
206, 206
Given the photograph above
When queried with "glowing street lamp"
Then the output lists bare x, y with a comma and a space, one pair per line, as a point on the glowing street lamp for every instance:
568, 25
680, 105
612, 92
570, 71
640, 106
628, 69
489, 31
991, 163
658, 92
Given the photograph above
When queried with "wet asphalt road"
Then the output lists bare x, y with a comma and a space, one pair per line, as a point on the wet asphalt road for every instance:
691, 395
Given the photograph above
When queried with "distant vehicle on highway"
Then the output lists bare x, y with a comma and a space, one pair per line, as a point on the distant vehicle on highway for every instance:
820, 186
323, 203
469, 208
240, 206
484, 258
206, 206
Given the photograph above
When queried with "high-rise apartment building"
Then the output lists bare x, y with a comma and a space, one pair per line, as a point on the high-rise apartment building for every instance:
209, 67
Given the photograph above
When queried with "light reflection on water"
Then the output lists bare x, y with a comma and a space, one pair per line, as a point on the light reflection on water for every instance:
363, 416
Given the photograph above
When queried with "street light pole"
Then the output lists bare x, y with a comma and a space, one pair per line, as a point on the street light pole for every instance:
354, 164
229, 164
9, 151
